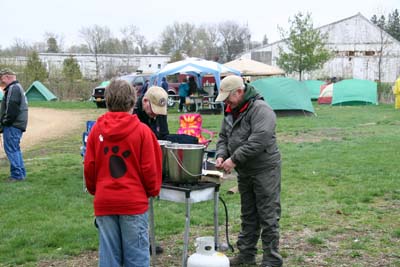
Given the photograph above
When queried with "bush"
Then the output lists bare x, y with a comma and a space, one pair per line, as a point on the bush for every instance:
385, 93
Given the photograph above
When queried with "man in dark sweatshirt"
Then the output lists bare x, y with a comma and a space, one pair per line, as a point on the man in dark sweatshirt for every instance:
151, 109
13, 122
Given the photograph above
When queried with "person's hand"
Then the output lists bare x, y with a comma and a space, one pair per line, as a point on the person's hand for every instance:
218, 163
228, 165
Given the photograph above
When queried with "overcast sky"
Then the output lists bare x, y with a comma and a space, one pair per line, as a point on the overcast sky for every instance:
28, 20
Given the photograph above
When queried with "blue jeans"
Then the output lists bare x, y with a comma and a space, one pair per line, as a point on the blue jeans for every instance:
124, 240
12, 137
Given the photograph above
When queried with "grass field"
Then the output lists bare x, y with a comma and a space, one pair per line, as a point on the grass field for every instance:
340, 195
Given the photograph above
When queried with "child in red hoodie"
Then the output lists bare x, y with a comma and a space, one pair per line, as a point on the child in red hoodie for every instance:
123, 168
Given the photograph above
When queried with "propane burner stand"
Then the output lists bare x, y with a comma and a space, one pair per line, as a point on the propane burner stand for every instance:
188, 194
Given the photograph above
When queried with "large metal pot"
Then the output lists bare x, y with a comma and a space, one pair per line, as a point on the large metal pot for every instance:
184, 162
163, 143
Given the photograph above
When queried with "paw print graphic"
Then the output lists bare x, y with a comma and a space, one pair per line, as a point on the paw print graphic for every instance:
116, 163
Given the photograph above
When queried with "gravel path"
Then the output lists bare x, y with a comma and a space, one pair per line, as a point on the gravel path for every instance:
45, 124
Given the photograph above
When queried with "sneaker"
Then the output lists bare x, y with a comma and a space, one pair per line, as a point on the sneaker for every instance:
242, 261
159, 249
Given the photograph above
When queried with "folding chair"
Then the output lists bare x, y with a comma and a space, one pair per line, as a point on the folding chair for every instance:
191, 124
89, 125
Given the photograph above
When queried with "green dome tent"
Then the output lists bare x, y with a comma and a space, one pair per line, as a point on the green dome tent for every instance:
285, 95
314, 87
355, 92
38, 92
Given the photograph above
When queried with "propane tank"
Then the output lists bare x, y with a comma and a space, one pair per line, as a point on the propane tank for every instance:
206, 256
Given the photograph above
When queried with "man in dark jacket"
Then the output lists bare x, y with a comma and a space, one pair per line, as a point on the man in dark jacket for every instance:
247, 143
151, 109
13, 122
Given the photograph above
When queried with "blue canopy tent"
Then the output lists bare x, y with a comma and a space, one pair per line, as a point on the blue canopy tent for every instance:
196, 67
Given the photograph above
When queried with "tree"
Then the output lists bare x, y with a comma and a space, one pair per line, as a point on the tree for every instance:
393, 24
34, 69
234, 39
54, 42
82, 48
20, 48
392, 27
180, 37
306, 49
96, 38
71, 70
265, 40
206, 42
52, 46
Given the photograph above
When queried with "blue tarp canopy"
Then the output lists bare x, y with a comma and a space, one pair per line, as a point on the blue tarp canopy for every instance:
196, 67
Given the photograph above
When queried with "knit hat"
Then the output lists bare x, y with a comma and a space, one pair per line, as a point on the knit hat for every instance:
229, 84
158, 99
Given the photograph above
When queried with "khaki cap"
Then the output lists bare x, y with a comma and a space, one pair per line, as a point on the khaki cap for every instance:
158, 99
229, 84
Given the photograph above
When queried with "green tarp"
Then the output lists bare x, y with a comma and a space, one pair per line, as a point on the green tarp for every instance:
284, 94
38, 92
355, 92
314, 87
104, 84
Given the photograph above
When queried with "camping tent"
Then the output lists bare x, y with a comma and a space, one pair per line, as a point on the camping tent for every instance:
38, 92
195, 66
326, 93
250, 67
284, 94
355, 92
314, 87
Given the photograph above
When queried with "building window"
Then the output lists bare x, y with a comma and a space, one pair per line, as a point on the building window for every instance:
369, 53
149, 65
159, 66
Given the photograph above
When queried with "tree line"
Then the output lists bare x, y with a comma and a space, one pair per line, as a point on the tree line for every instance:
390, 24
222, 41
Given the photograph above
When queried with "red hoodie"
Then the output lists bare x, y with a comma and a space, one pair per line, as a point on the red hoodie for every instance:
123, 165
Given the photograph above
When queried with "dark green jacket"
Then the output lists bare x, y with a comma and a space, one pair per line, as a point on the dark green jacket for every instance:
249, 140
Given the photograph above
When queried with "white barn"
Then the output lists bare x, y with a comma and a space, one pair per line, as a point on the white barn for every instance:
356, 43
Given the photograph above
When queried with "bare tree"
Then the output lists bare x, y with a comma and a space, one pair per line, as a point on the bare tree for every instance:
128, 38
20, 48
180, 37
133, 41
96, 38
234, 38
206, 45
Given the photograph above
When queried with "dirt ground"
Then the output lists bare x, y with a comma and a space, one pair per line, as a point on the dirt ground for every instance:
45, 124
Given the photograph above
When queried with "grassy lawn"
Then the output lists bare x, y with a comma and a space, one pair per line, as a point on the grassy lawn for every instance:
340, 195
